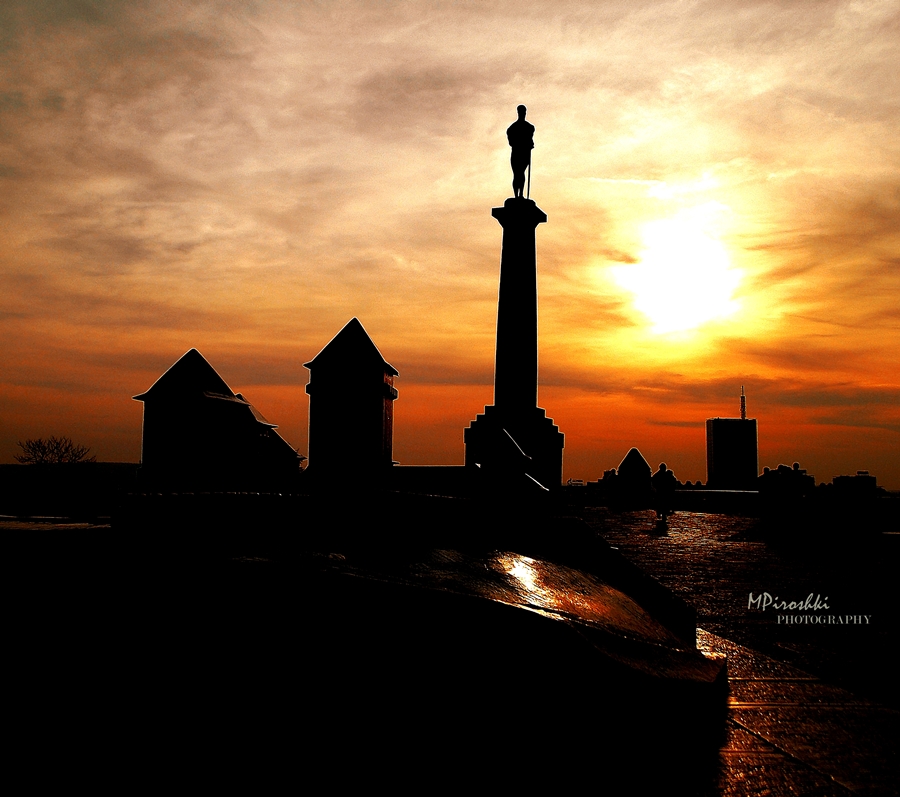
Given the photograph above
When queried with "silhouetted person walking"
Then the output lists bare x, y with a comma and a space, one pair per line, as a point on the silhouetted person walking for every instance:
664, 484
520, 135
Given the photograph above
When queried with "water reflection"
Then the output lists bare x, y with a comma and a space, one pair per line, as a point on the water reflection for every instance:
715, 561
522, 569
559, 589
574, 594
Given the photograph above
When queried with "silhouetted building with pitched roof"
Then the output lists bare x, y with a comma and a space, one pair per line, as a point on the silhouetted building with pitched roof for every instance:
732, 460
200, 435
351, 407
633, 480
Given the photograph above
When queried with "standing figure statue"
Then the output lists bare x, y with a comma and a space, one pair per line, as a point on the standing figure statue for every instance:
520, 135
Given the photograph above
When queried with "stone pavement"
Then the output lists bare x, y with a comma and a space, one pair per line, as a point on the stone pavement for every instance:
789, 733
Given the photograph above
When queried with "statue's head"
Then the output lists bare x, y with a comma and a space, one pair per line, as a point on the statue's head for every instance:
520, 109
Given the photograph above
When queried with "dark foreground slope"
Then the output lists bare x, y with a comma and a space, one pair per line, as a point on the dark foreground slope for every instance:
339, 648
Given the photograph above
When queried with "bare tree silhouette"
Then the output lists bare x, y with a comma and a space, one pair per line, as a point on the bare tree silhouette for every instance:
52, 451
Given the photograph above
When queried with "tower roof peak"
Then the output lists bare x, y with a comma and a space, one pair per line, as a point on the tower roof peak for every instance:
352, 345
191, 373
634, 462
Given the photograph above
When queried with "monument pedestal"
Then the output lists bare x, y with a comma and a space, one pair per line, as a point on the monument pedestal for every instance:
535, 433
515, 409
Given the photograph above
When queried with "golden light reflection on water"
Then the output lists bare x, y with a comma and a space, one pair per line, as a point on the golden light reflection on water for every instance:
523, 570
552, 588
570, 593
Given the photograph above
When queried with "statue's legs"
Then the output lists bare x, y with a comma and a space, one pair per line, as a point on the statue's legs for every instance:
519, 163
518, 184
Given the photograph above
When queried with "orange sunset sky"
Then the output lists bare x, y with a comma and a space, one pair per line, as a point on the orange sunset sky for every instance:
722, 181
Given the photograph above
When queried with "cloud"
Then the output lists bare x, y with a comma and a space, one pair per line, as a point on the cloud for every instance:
58, 306
402, 100
247, 177
859, 420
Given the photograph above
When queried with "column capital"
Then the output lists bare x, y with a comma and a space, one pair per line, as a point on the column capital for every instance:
517, 211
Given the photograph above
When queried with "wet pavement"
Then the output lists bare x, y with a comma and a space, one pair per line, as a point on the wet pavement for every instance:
790, 730
714, 562
804, 716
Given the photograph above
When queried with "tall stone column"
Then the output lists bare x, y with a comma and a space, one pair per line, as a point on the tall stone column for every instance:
516, 359
514, 413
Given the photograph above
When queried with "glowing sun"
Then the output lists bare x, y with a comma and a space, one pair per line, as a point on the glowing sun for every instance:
684, 276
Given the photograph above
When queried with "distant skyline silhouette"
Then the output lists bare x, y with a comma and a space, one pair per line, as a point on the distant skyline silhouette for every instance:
240, 184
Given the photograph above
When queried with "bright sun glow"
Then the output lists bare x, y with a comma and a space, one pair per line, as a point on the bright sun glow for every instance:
684, 277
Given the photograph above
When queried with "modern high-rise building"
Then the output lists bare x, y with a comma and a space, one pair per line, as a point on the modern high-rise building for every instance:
732, 451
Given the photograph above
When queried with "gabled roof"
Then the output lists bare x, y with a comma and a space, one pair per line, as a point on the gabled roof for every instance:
257, 414
351, 347
634, 464
192, 374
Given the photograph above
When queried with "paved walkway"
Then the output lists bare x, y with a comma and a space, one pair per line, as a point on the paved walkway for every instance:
789, 733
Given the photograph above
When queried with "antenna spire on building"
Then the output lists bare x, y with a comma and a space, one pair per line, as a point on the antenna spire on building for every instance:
732, 451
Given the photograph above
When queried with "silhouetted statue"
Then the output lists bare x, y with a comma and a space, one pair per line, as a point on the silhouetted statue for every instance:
515, 412
520, 135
